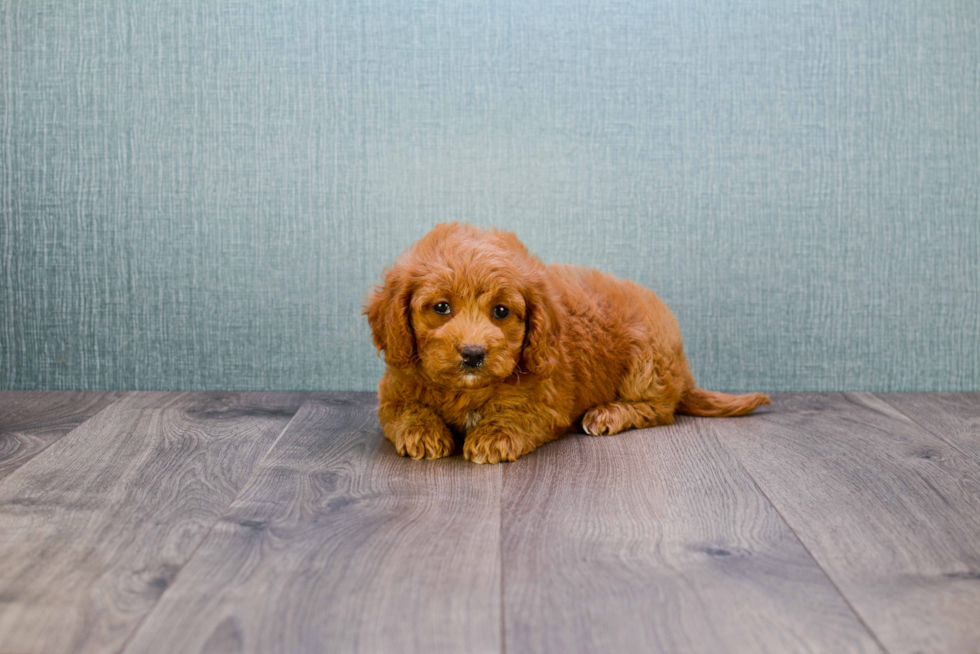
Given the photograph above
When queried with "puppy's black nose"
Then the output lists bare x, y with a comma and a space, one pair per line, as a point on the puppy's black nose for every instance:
472, 356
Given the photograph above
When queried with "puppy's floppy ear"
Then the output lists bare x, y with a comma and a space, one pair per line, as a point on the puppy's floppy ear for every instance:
387, 311
542, 336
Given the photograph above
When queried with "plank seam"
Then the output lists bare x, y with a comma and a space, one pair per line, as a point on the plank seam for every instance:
500, 546
207, 534
789, 526
44, 449
927, 428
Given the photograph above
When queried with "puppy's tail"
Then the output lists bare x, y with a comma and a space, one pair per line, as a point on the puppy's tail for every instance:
699, 402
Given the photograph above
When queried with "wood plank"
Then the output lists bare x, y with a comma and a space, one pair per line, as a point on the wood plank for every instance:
889, 511
339, 544
30, 421
95, 528
953, 418
224, 404
657, 541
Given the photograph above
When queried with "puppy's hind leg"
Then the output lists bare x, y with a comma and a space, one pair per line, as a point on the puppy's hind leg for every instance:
648, 395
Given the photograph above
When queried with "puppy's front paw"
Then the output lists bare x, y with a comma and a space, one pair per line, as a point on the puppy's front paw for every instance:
429, 439
492, 448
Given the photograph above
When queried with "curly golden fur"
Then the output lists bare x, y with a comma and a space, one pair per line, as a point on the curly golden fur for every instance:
486, 344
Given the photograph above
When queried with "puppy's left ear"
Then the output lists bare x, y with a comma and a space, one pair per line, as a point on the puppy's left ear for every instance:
387, 311
542, 337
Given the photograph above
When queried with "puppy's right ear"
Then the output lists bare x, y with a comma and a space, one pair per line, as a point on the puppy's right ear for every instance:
388, 313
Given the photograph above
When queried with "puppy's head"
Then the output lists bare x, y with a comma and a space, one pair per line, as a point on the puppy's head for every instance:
465, 307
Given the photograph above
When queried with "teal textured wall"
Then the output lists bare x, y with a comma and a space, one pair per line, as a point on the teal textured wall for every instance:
199, 194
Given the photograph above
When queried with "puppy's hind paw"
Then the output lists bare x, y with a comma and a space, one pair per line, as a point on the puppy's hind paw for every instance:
601, 421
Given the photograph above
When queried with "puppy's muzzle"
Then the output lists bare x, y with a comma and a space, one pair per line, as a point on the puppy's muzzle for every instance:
472, 356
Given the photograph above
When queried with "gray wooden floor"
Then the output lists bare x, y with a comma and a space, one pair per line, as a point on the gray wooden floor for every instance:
284, 522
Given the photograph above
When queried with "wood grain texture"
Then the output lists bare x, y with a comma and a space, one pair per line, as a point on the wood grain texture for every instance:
95, 528
338, 544
889, 511
657, 541
953, 418
30, 421
119, 535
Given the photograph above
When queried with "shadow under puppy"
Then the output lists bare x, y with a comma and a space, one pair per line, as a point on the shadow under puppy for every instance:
485, 342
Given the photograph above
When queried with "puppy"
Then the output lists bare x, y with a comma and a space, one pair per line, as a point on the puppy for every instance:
484, 342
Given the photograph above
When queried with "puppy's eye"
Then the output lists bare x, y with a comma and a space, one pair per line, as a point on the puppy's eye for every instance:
442, 308
501, 311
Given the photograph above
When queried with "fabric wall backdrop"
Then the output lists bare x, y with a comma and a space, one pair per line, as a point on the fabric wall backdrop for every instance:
199, 194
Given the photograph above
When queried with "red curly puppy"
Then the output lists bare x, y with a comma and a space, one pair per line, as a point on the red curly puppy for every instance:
484, 342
